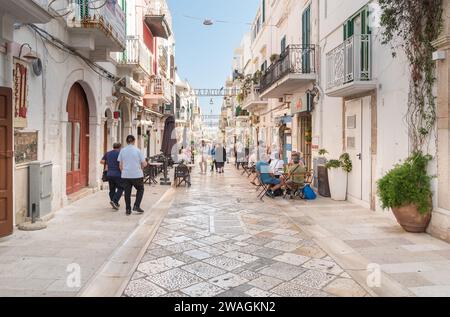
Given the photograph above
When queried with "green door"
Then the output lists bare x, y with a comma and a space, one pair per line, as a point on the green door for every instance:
358, 27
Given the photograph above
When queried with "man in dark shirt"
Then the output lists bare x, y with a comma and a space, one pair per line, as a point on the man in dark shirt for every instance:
114, 175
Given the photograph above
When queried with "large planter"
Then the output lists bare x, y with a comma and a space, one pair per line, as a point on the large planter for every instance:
338, 179
411, 220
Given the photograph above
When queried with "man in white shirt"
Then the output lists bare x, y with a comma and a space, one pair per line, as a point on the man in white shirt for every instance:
204, 153
277, 165
132, 164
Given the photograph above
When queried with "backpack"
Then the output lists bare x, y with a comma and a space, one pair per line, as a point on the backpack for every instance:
309, 193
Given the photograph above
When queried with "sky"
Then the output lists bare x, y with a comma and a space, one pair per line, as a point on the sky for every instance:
204, 54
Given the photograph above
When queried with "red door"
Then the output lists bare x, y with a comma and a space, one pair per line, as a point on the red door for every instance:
6, 162
77, 162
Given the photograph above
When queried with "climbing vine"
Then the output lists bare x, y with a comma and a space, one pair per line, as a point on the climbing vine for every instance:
412, 26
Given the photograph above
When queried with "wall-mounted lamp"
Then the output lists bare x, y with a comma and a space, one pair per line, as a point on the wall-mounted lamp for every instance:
30, 55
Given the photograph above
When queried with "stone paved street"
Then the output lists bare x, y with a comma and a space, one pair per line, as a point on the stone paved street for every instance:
219, 240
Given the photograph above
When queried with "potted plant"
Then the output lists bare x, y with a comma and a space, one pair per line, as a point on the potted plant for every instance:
308, 136
406, 189
274, 58
338, 176
257, 77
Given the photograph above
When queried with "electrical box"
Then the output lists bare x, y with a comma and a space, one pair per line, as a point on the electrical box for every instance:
40, 189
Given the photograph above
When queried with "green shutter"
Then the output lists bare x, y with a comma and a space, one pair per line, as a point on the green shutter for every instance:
263, 11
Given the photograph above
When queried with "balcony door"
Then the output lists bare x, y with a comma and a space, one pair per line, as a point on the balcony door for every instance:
358, 145
358, 28
6, 162
77, 140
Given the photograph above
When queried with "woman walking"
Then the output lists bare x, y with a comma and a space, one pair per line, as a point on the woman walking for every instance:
221, 158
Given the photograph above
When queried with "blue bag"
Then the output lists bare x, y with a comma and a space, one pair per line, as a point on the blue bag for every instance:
308, 193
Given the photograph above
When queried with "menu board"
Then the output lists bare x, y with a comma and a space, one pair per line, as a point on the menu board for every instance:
25, 147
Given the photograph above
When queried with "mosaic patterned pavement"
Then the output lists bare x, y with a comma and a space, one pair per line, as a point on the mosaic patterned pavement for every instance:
219, 240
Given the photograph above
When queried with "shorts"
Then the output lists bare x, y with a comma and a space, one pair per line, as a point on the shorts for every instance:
271, 181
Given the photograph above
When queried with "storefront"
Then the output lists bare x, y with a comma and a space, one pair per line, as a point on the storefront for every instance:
301, 108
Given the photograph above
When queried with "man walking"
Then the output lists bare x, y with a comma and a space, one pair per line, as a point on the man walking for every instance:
204, 153
113, 175
132, 164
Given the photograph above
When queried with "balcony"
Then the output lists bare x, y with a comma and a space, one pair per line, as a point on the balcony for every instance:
99, 30
349, 68
26, 11
137, 57
253, 101
158, 19
160, 91
295, 69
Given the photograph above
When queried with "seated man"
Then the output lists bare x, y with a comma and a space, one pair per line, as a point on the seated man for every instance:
277, 165
268, 178
296, 173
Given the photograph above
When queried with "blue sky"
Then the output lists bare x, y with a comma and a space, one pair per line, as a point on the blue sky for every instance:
204, 53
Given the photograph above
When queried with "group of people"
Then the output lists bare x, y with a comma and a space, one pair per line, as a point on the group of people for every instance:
277, 175
124, 169
216, 154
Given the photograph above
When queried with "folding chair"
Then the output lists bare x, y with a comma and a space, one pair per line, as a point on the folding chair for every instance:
182, 175
251, 170
265, 187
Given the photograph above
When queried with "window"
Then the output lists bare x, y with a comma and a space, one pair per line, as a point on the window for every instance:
264, 66
283, 44
357, 24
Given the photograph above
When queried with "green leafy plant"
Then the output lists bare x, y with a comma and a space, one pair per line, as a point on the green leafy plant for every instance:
407, 183
308, 138
257, 77
274, 58
323, 152
333, 164
344, 162
412, 26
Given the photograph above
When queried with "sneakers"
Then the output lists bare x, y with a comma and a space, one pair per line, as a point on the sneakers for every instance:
138, 209
115, 205
270, 194
128, 213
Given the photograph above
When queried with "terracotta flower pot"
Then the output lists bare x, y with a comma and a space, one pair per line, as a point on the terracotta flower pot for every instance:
411, 220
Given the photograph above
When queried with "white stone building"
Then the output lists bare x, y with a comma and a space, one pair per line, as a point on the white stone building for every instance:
77, 78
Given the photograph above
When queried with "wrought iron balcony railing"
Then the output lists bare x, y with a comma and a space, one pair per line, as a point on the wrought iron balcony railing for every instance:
349, 62
109, 18
296, 59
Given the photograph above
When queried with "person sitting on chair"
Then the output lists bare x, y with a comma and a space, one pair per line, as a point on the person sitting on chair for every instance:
268, 178
296, 173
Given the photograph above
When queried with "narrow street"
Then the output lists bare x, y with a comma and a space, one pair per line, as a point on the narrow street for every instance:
217, 239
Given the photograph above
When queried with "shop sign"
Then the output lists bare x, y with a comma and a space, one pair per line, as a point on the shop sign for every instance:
301, 104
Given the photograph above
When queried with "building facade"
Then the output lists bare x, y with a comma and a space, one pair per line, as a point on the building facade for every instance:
318, 77
114, 66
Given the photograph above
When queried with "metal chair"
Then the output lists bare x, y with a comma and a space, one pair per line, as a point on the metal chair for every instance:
182, 175
265, 187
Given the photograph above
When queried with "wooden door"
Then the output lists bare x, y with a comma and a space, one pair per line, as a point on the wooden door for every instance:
6, 162
77, 138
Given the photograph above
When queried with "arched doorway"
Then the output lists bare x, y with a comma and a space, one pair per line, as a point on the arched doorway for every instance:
77, 140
